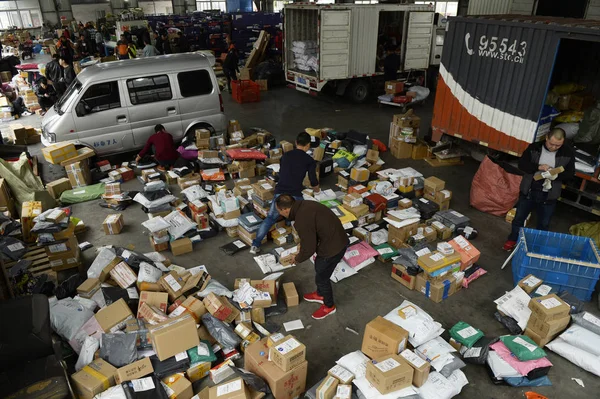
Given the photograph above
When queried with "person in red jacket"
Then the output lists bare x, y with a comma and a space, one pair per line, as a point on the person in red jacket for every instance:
162, 143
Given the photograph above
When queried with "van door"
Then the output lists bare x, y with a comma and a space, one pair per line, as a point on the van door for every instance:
151, 102
101, 120
335, 44
199, 99
418, 40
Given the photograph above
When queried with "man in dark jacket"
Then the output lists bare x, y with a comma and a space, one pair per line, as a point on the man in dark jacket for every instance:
391, 64
69, 74
230, 65
294, 166
166, 44
537, 160
182, 43
54, 74
322, 232
45, 94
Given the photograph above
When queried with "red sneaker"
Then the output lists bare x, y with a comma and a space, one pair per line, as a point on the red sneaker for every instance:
313, 297
323, 312
509, 245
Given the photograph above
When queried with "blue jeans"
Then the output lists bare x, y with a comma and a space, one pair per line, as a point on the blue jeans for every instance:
268, 222
544, 209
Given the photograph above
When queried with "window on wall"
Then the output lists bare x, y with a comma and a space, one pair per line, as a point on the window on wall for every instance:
445, 8
211, 5
22, 14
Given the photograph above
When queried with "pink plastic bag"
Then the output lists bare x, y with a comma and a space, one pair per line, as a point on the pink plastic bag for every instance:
358, 253
493, 189
523, 368
190, 155
242, 154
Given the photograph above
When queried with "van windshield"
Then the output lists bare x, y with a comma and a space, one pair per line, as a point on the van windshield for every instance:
71, 92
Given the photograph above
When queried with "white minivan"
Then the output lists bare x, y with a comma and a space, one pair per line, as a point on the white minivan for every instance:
113, 107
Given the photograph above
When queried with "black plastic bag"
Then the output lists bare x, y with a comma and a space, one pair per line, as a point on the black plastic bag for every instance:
575, 304
233, 247
11, 247
119, 349
478, 353
132, 258
157, 393
252, 380
169, 366
508, 322
48, 227
113, 294
68, 288
279, 309
470, 234
220, 331
407, 258
8, 225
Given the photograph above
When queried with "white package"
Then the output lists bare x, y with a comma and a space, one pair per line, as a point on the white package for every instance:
104, 257
437, 352
194, 193
440, 387
582, 338
364, 264
579, 357
156, 224
421, 327
115, 392
342, 271
88, 303
179, 224
587, 321
370, 392
148, 273
86, 354
379, 237
67, 316
515, 303
355, 362
500, 367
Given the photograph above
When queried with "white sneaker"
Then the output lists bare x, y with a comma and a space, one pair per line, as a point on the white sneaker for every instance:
254, 250
26, 113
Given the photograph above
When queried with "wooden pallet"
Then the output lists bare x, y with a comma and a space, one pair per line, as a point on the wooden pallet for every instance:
438, 163
40, 263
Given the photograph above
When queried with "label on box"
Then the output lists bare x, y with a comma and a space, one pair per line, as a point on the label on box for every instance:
413, 358
543, 290
143, 384
57, 248
347, 226
17, 246
132, 292
287, 346
591, 318
203, 349
472, 352
423, 252
461, 241
468, 230
460, 215
532, 281
327, 169
181, 355
436, 257
239, 244
386, 250
438, 225
387, 365
467, 332
168, 389
524, 343
252, 219
423, 200
230, 387
125, 254
177, 312
55, 263
550, 303
344, 391
266, 186
175, 286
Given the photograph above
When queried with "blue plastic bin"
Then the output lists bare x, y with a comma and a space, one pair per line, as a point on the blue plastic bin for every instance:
562, 261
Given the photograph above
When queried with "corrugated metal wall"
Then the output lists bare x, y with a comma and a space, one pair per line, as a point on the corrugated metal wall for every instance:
494, 7
492, 94
593, 10
363, 41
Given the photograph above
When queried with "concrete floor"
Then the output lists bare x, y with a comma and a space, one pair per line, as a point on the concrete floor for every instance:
372, 292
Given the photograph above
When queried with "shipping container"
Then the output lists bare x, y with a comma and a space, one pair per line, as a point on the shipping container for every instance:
343, 40
496, 72
496, 7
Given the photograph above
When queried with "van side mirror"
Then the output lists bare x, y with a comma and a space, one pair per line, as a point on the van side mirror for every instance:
80, 109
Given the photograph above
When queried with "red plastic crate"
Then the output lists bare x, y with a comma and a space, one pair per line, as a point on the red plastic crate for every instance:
245, 91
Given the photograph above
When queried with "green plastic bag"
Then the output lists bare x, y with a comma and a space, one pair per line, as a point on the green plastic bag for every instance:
523, 347
197, 358
587, 229
386, 251
465, 334
82, 194
350, 156
331, 203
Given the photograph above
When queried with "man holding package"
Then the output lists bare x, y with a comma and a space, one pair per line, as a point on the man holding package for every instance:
294, 166
322, 232
541, 185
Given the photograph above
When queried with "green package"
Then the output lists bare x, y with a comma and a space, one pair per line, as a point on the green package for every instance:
465, 334
523, 347
386, 251
204, 348
82, 194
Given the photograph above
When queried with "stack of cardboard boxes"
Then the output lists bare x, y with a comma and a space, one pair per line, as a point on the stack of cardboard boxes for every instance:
549, 317
29, 211
22, 135
65, 254
404, 130
263, 192
202, 139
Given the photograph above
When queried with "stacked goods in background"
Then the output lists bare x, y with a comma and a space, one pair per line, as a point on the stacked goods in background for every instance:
404, 130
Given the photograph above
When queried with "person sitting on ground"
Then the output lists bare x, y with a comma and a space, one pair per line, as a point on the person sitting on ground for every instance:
18, 104
149, 50
165, 151
45, 94
68, 72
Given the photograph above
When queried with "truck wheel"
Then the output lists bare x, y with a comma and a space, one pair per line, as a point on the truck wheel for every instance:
358, 91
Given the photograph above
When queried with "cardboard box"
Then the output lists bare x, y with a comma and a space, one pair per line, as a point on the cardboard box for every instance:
123, 275
343, 391
290, 294
432, 185
400, 274
287, 257
530, 283
264, 300
264, 190
173, 336
113, 317
537, 338
420, 150
318, 153
133, 371
198, 371
389, 373
88, 288
342, 374
269, 286
94, 378
548, 308
258, 315
57, 187
173, 283
220, 308
469, 255
409, 119
113, 224
191, 305
160, 300
400, 149
372, 156
79, 174
286, 146
436, 263
421, 367
394, 86
181, 246
382, 337
284, 385
163, 246
437, 291
328, 388
178, 387
359, 174
151, 314
234, 389
397, 236
59, 152
548, 328
29, 210
287, 353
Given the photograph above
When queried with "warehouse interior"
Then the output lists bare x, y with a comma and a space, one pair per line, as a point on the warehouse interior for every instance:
128, 275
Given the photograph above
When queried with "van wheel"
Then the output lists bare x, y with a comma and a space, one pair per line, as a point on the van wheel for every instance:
191, 133
358, 91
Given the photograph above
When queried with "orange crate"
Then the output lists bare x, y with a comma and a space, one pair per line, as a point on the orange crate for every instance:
245, 91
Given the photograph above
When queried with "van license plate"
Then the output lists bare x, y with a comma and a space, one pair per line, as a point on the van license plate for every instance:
301, 80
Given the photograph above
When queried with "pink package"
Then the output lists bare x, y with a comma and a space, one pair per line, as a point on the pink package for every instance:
523, 368
187, 154
358, 253
468, 280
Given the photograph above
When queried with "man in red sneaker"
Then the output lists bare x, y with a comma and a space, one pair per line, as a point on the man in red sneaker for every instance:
322, 232
540, 193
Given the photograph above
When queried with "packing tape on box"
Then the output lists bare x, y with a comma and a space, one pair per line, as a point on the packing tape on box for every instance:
110, 229
97, 375
444, 294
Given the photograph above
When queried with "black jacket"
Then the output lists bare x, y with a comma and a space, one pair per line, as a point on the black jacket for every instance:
319, 229
54, 71
231, 60
294, 166
529, 163
69, 75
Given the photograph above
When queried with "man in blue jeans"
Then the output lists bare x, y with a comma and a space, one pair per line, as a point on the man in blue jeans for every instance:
541, 194
294, 166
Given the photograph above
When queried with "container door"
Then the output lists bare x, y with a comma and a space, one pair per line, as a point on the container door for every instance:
335, 44
418, 40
